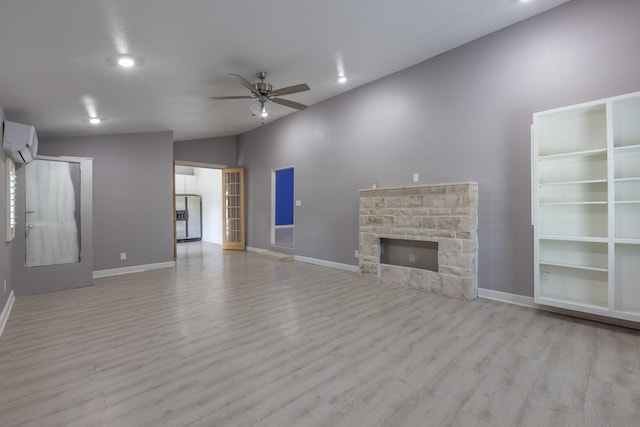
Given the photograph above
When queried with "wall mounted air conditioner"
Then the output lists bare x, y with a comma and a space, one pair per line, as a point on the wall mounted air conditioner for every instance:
20, 142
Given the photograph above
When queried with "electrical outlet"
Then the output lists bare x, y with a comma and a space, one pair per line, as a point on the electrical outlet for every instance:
123, 256
416, 177
298, 202
357, 254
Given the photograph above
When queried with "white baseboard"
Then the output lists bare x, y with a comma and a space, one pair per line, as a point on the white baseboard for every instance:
6, 311
506, 297
324, 263
316, 261
257, 250
133, 269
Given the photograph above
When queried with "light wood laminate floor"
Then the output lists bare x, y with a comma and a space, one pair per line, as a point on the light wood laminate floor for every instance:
241, 339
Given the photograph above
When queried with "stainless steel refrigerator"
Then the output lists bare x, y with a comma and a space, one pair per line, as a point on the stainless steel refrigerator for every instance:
188, 218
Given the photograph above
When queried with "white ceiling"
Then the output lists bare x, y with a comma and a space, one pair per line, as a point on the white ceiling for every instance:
57, 57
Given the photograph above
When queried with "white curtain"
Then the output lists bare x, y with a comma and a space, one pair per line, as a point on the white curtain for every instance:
52, 235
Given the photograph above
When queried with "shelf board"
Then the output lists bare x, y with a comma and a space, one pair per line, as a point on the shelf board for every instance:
573, 154
627, 312
577, 267
589, 181
573, 304
627, 148
572, 203
573, 238
627, 202
626, 241
636, 178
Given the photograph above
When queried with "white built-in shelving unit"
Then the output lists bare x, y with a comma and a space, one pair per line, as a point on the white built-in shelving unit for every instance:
586, 207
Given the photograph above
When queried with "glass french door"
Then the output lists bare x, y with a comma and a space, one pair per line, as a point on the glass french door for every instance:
233, 209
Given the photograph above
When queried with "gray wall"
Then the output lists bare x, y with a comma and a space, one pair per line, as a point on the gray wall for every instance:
132, 195
218, 151
462, 116
5, 248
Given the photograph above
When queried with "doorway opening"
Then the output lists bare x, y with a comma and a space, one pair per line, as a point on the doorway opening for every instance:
198, 202
282, 207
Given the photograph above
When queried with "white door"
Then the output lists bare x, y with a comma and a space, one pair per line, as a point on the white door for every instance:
57, 225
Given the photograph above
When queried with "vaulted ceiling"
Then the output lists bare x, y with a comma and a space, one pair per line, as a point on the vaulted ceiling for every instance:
58, 59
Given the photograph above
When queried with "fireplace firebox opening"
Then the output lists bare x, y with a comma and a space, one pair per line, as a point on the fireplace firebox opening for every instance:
420, 254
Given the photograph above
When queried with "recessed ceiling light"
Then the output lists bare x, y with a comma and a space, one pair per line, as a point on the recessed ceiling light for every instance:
126, 62
95, 120
342, 79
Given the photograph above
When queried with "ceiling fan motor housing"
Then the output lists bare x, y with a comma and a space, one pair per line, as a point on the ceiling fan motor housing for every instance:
263, 88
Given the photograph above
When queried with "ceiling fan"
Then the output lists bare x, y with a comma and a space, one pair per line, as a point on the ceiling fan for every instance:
265, 95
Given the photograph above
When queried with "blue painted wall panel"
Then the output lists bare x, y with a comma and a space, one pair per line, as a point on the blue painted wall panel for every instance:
284, 197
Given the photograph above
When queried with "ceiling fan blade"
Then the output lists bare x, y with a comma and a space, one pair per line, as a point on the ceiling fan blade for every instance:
231, 97
246, 83
290, 104
290, 89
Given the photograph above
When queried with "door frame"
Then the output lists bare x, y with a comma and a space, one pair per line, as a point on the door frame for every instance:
273, 225
173, 191
30, 280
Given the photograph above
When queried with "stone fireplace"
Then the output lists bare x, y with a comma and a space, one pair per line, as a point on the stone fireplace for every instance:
444, 214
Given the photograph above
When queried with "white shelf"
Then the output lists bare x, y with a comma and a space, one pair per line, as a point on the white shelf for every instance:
627, 148
573, 305
586, 207
588, 181
627, 164
579, 267
573, 238
574, 203
599, 151
625, 314
626, 241
637, 178
577, 168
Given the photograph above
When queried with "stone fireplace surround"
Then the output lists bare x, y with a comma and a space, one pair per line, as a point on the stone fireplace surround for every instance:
444, 213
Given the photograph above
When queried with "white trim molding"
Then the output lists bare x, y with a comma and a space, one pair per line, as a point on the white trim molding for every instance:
200, 165
257, 250
529, 303
324, 263
133, 269
506, 297
316, 261
6, 311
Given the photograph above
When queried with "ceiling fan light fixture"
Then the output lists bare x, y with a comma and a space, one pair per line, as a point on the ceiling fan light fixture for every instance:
261, 108
266, 108
95, 120
256, 108
126, 61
